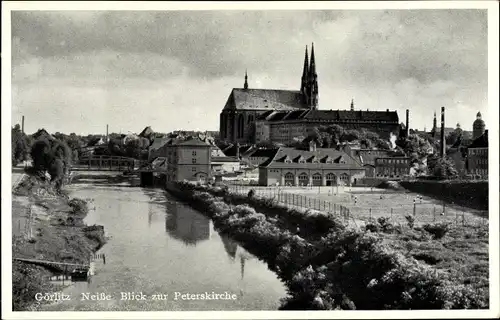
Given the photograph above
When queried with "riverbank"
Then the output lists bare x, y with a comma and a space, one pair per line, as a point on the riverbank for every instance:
326, 265
53, 230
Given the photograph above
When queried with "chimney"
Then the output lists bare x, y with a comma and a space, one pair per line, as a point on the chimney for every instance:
407, 122
22, 125
107, 133
443, 141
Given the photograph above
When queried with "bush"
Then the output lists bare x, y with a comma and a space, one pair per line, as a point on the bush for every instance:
251, 193
79, 206
410, 220
438, 230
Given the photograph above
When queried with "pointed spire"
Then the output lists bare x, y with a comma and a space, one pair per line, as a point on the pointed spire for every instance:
246, 80
313, 82
312, 68
305, 73
352, 104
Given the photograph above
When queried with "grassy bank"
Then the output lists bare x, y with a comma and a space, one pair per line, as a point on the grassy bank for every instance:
55, 232
325, 265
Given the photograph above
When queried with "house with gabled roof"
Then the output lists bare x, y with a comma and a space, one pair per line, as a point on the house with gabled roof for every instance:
189, 159
314, 167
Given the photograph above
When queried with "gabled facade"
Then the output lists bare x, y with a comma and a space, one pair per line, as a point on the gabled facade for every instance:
189, 159
316, 167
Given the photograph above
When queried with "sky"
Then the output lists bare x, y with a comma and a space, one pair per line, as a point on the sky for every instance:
76, 71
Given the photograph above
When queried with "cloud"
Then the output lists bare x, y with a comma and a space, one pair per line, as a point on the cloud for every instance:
396, 59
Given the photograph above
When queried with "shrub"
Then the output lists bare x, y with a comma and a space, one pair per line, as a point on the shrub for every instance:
385, 224
79, 206
251, 193
410, 220
438, 230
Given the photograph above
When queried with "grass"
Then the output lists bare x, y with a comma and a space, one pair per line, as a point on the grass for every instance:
365, 204
341, 268
58, 234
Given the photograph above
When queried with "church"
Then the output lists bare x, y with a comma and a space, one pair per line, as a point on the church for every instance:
253, 115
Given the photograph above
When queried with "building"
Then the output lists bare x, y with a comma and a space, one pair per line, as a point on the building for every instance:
147, 133
286, 126
316, 167
259, 155
477, 156
158, 148
255, 115
244, 105
188, 159
43, 134
367, 157
392, 167
478, 127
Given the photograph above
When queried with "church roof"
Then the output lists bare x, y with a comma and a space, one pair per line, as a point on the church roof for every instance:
333, 115
264, 99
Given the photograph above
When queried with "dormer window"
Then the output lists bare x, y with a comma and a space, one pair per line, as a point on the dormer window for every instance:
302, 161
288, 161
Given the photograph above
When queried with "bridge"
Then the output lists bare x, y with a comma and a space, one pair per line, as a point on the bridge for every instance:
51, 264
107, 163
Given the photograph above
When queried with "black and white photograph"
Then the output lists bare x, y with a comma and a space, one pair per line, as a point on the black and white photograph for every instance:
191, 158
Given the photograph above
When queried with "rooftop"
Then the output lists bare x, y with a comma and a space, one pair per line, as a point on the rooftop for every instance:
322, 157
264, 99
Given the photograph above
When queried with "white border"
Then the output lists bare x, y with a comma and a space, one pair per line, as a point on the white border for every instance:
493, 101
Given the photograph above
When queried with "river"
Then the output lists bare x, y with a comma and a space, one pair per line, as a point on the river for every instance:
159, 246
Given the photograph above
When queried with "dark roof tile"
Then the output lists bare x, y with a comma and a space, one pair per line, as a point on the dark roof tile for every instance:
264, 99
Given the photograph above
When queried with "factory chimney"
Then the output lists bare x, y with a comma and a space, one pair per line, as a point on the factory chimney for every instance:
22, 125
407, 123
443, 141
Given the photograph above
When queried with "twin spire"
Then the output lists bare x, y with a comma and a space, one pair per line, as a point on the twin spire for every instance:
309, 83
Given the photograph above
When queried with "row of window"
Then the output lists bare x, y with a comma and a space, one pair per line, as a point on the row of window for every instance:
316, 176
392, 161
478, 151
481, 161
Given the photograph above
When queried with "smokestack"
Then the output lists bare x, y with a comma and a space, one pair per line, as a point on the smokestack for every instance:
22, 125
407, 122
107, 133
443, 141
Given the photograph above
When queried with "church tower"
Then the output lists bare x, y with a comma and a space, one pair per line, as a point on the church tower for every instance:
434, 126
313, 83
305, 75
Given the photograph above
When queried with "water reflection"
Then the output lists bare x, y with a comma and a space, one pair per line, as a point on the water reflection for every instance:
230, 246
186, 225
233, 251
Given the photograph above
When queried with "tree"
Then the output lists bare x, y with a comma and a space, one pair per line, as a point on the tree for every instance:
21, 145
40, 154
133, 149
442, 168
